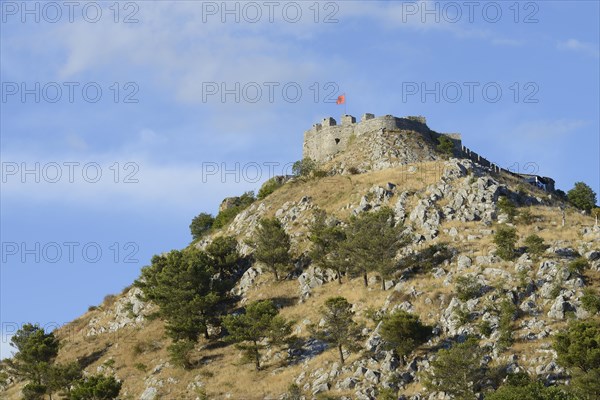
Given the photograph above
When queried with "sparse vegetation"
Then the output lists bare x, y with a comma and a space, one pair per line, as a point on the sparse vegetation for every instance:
578, 265
227, 215
269, 187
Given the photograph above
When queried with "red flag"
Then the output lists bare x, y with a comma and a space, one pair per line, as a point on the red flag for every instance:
341, 99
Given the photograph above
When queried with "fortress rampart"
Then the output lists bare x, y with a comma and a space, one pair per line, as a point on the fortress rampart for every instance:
327, 138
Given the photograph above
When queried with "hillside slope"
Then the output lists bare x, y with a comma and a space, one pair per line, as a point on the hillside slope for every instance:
452, 202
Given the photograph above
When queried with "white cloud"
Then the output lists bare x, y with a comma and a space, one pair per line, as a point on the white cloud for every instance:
588, 49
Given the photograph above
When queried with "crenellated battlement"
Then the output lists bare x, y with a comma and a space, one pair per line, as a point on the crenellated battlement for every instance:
327, 138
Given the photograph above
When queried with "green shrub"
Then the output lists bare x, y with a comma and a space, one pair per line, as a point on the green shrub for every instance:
226, 216
304, 167
506, 206
578, 265
526, 217
535, 245
427, 259
403, 332
268, 187
485, 328
590, 301
505, 239
294, 392
467, 287
140, 367
445, 145
96, 387
507, 314
179, 352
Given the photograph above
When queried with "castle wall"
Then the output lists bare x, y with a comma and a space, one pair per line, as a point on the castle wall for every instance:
328, 138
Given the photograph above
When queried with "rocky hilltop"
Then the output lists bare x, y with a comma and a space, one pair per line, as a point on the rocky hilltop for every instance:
449, 274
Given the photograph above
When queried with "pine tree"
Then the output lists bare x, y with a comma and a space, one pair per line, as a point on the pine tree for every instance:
179, 282
327, 241
373, 242
457, 371
258, 324
339, 328
273, 246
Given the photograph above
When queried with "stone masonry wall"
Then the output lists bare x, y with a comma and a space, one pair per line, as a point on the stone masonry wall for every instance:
327, 138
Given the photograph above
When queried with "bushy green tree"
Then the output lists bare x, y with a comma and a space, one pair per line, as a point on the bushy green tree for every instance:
373, 242
179, 282
327, 244
403, 332
259, 324
505, 239
201, 225
535, 245
339, 328
582, 197
273, 246
506, 206
269, 187
578, 349
96, 387
457, 371
304, 167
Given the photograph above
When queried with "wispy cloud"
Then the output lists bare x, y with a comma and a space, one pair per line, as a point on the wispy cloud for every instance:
586, 48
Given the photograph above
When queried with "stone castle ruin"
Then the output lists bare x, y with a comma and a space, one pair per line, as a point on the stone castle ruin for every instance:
326, 139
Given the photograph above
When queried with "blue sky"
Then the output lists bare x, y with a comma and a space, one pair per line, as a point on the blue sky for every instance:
162, 137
